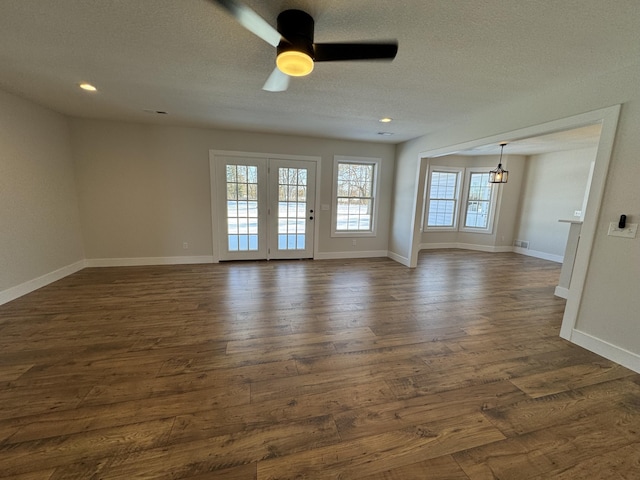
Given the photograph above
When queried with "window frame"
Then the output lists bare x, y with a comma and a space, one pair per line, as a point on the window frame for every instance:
375, 183
456, 212
464, 203
462, 195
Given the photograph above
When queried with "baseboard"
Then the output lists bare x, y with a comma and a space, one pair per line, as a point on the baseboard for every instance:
561, 292
32, 285
466, 246
399, 258
607, 350
544, 256
493, 249
346, 255
145, 261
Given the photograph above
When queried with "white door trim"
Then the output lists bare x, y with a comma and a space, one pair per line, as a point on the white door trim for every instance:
213, 176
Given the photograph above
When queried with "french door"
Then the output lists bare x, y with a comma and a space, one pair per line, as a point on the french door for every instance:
266, 208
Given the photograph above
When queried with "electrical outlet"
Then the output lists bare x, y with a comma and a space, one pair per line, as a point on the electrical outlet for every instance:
185, 245
577, 213
353, 242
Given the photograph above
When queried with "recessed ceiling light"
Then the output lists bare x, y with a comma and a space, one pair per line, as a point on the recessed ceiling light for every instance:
385, 120
385, 134
88, 87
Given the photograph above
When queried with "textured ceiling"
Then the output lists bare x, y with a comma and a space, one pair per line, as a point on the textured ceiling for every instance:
192, 60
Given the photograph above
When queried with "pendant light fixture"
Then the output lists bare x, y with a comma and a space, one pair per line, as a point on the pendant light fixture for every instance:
499, 175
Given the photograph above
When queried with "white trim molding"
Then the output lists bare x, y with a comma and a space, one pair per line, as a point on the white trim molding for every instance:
493, 249
400, 259
146, 261
346, 255
466, 246
32, 285
543, 255
607, 350
29, 286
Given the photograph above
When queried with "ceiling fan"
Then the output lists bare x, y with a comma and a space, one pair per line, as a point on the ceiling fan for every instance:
296, 51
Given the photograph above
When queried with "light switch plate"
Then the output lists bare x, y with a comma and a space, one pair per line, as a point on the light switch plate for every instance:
629, 231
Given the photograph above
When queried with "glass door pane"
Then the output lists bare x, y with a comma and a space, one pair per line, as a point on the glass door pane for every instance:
242, 207
292, 200
242, 186
292, 208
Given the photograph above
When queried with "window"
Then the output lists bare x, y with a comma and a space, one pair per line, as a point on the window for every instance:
443, 197
444, 203
355, 182
478, 201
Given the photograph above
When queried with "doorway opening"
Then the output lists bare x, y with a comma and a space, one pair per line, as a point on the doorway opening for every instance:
608, 119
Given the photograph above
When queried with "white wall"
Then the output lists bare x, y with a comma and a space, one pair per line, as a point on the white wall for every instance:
609, 306
40, 225
553, 189
145, 189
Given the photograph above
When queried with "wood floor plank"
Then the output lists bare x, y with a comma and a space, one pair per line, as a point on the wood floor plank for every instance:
266, 344
13, 372
315, 383
376, 419
377, 356
378, 453
472, 370
53, 452
241, 472
571, 377
16, 402
188, 382
560, 447
426, 335
207, 423
621, 464
566, 407
69, 421
188, 459
347, 368
41, 475
440, 468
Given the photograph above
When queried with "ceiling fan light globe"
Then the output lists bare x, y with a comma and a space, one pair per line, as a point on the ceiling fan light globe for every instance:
294, 63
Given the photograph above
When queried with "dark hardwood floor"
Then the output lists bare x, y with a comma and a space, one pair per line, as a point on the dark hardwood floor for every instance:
345, 369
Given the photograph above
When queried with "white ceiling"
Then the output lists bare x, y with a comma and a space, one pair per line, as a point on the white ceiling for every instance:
191, 59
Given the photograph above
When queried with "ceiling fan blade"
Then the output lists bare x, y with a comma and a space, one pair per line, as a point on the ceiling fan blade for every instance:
332, 52
251, 21
277, 81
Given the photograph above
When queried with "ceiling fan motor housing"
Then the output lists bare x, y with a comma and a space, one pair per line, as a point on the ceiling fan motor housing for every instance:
296, 28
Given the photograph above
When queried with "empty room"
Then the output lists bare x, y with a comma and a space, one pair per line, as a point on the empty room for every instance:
319, 240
